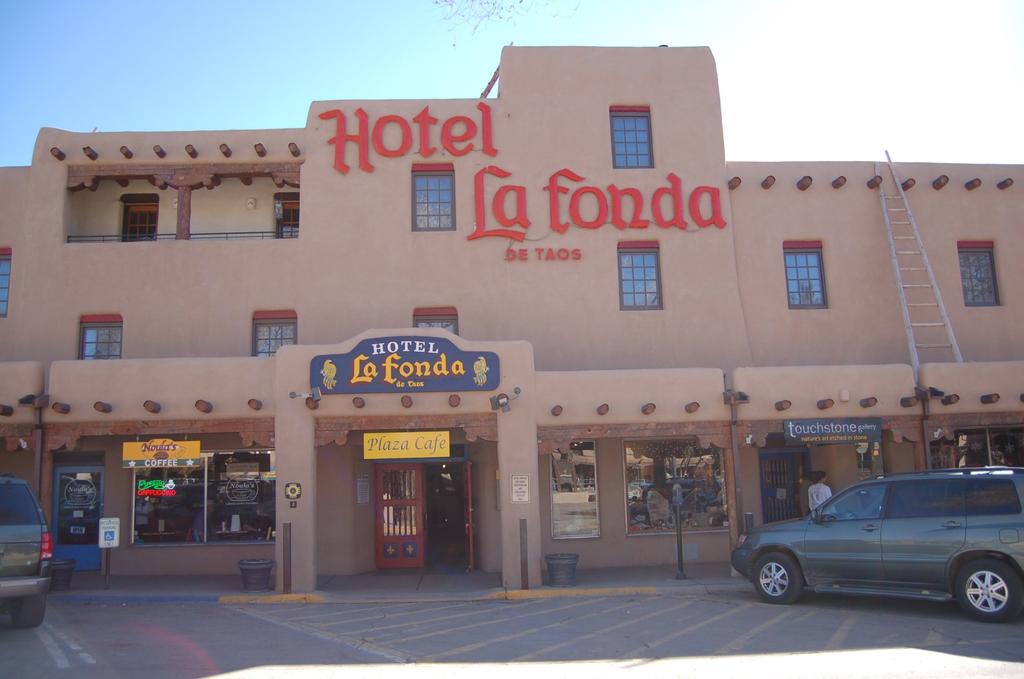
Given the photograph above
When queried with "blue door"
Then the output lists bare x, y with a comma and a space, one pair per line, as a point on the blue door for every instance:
782, 474
77, 508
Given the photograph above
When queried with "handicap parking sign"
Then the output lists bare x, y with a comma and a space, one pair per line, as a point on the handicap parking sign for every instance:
110, 530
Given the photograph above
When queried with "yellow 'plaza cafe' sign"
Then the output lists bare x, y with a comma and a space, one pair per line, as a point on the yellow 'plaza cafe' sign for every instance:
406, 445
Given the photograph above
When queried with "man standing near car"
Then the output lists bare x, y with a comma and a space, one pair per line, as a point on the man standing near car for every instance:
818, 492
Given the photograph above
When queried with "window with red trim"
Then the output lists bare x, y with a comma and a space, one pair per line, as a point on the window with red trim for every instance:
805, 280
639, 276
100, 337
978, 273
140, 216
433, 197
631, 137
446, 318
5, 280
286, 214
272, 330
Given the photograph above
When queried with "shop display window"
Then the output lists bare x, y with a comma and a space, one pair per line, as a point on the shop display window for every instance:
227, 496
979, 448
664, 474
574, 506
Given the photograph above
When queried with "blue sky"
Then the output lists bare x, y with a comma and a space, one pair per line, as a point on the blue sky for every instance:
800, 80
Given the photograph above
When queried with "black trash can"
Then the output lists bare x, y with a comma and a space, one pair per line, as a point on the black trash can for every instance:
60, 573
562, 569
255, 574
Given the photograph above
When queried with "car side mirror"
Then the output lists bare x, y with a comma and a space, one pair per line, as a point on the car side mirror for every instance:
818, 517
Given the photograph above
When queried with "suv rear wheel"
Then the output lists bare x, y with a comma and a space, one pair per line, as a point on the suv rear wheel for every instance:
29, 611
777, 578
989, 590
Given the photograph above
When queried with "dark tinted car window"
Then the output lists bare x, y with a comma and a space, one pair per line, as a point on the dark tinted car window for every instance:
861, 503
926, 498
992, 496
17, 508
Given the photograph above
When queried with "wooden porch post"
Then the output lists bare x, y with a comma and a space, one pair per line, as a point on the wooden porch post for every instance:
183, 231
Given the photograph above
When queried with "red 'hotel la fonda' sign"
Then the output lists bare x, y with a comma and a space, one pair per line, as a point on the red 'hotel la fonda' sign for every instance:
571, 202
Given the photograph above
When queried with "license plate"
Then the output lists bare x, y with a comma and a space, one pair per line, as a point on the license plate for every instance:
78, 530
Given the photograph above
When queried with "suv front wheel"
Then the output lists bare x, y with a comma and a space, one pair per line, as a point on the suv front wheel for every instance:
777, 578
989, 590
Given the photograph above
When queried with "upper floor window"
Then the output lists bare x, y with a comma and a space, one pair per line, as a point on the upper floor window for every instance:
631, 136
639, 275
272, 330
5, 280
805, 280
286, 214
978, 273
100, 337
444, 317
140, 216
433, 197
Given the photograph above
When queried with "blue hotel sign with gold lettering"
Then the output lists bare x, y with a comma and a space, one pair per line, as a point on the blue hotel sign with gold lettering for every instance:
392, 365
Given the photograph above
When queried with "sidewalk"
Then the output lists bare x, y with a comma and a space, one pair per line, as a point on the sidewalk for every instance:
398, 587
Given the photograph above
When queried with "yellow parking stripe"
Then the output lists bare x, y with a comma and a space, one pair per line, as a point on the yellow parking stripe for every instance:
604, 630
421, 621
683, 632
492, 622
739, 642
533, 630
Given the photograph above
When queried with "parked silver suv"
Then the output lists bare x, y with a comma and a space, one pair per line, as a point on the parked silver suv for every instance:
938, 535
25, 552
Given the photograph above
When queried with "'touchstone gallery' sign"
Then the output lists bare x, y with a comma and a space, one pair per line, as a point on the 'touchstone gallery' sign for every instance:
847, 430
404, 364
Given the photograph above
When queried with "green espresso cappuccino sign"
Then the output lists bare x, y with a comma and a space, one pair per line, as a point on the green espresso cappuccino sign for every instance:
848, 430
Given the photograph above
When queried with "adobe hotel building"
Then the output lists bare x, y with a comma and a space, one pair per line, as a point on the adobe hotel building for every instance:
465, 334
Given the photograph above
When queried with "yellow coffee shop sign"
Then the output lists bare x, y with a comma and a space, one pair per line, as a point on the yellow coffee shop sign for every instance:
160, 453
405, 445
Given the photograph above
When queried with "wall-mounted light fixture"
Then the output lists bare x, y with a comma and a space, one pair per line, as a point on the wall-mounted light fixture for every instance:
501, 401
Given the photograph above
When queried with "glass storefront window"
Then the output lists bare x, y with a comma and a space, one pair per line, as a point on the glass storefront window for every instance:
169, 505
241, 496
978, 448
663, 474
574, 492
229, 496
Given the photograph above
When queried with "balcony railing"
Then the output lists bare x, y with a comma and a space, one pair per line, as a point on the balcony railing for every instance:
217, 235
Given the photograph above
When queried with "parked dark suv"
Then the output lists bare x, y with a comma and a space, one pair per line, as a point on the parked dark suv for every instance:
939, 535
25, 552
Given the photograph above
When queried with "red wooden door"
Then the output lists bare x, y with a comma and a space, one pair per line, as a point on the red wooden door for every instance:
467, 472
400, 539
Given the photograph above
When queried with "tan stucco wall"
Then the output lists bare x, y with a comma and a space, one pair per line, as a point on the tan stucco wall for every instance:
804, 386
18, 379
175, 384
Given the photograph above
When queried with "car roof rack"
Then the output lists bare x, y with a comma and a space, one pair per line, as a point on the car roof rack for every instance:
959, 471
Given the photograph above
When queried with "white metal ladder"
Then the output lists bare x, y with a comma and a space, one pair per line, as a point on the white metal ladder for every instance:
925, 320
